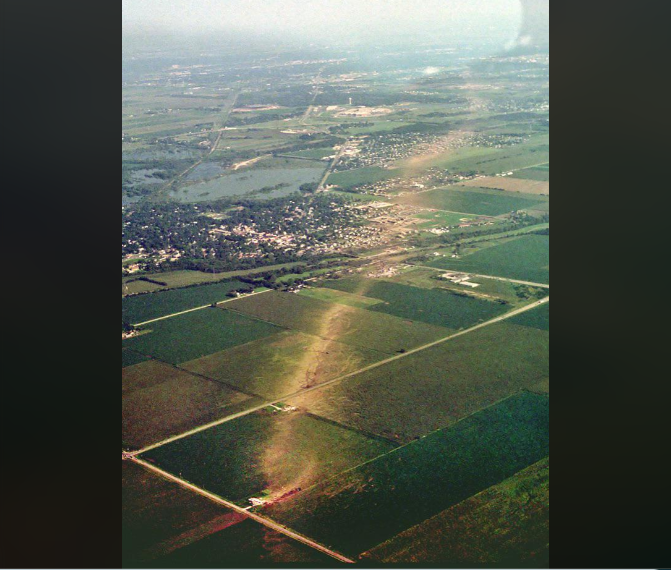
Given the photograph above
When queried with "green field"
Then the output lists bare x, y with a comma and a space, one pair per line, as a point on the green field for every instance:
366, 506
358, 176
129, 358
342, 297
541, 173
247, 544
197, 334
538, 318
266, 454
491, 161
526, 258
184, 278
480, 201
433, 306
334, 321
283, 363
505, 526
143, 308
152, 516
434, 388
159, 401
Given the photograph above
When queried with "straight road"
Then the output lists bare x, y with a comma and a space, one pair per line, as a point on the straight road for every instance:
339, 378
492, 277
262, 520
198, 309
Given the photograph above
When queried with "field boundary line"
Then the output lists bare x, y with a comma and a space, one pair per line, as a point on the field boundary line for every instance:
198, 309
341, 378
262, 520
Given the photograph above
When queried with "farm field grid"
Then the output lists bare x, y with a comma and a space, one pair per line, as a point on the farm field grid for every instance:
335, 307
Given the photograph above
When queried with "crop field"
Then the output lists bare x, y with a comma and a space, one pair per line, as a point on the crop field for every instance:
505, 526
283, 364
432, 389
211, 330
510, 184
366, 506
358, 176
266, 454
433, 306
487, 160
469, 201
152, 516
541, 173
184, 278
159, 401
243, 545
537, 318
143, 308
130, 358
334, 321
526, 258
342, 297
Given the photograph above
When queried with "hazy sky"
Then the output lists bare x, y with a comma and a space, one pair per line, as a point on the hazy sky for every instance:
326, 19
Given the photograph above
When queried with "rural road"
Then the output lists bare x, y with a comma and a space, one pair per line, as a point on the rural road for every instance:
339, 378
266, 522
198, 309
506, 279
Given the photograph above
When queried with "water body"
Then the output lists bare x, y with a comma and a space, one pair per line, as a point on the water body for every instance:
247, 182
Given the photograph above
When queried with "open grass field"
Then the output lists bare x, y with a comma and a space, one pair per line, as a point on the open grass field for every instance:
151, 306
334, 321
159, 517
433, 306
365, 506
480, 201
159, 401
510, 184
505, 526
266, 454
432, 389
368, 175
209, 330
526, 258
430, 220
283, 364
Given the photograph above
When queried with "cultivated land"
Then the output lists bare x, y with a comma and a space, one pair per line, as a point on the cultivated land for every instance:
481, 201
334, 321
269, 454
505, 526
159, 401
283, 363
511, 184
433, 306
443, 384
365, 506
143, 308
378, 408
524, 258
210, 330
